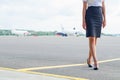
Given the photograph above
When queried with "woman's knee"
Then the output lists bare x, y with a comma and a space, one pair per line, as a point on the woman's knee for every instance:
92, 39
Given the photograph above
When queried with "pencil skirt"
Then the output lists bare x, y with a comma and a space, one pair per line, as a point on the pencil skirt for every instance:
94, 20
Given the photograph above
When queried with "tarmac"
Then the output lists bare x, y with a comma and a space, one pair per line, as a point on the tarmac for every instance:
57, 58
15, 75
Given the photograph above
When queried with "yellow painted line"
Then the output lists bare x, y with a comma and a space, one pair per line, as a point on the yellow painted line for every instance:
54, 75
10, 69
63, 66
44, 74
27, 70
51, 67
116, 59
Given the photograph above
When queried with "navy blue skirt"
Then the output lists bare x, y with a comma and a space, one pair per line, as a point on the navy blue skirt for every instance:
93, 21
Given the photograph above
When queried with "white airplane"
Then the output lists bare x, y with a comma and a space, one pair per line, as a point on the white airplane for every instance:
19, 32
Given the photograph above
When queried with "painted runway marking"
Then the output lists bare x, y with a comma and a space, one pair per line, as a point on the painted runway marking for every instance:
57, 76
104, 61
28, 70
51, 67
10, 69
44, 74
64, 66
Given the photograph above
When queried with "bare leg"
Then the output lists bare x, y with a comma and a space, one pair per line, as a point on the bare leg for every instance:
90, 57
92, 52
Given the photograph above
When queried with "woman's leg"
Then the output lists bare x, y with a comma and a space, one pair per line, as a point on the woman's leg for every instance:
90, 57
92, 52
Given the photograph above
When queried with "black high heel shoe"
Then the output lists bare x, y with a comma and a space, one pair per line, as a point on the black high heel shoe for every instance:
89, 65
95, 68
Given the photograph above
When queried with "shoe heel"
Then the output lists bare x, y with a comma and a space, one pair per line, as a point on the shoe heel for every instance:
96, 68
89, 65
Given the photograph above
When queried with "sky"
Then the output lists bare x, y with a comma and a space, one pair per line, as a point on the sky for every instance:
52, 15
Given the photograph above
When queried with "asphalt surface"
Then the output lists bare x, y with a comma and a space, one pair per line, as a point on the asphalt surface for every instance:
43, 54
14, 75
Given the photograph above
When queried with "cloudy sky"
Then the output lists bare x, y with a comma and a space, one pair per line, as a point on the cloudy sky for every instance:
52, 15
